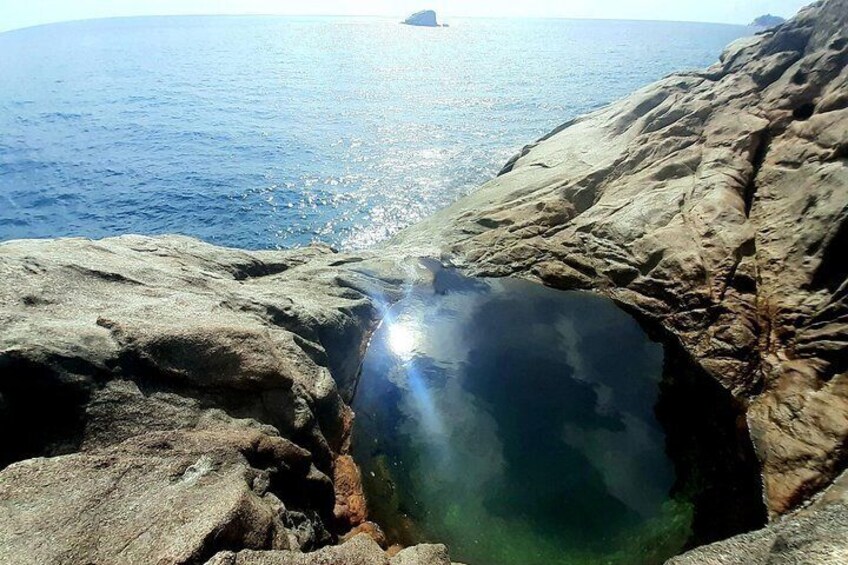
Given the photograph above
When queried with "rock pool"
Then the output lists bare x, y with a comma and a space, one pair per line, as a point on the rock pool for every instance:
518, 425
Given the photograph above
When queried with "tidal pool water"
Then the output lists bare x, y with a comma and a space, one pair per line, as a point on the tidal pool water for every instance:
517, 424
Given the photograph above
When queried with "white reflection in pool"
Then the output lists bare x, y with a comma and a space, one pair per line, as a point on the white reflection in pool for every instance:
401, 339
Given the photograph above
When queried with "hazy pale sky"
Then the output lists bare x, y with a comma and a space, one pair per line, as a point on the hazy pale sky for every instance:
23, 13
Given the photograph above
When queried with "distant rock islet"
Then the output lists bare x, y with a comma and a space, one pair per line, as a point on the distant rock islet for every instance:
424, 18
767, 21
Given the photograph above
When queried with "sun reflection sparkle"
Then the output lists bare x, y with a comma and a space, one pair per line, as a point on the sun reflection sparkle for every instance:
401, 340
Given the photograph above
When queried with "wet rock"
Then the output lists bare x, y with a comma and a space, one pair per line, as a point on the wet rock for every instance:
431, 554
370, 529
351, 508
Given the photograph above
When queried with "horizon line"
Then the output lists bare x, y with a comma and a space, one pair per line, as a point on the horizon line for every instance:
373, 16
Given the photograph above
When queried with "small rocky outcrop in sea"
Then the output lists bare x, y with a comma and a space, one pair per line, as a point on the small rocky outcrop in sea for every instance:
424, 18
767, 21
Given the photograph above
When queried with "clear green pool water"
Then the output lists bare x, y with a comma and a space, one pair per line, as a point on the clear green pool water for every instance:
517, 425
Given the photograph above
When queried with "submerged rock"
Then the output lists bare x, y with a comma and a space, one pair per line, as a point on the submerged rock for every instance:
425, 18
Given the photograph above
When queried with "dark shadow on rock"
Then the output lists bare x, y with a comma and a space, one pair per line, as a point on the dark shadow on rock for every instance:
40, 413
708, 441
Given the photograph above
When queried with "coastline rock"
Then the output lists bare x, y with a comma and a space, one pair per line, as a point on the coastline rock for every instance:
424, 18
372, 530
150, 359
124, 334
359, 550
350, 508
431, 554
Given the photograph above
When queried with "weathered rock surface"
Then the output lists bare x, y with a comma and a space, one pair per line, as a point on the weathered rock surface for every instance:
714, 204
360, 550
170, 370
172, 400
133, 334
162, 497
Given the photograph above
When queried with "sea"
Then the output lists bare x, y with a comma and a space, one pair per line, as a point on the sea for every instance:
274, 132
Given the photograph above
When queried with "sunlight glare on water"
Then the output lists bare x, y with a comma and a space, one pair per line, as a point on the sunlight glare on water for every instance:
401, 339
263, 132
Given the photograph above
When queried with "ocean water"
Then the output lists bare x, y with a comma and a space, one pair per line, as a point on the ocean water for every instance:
535, 442
266, 132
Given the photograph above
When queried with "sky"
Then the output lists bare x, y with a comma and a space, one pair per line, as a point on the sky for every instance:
24, 13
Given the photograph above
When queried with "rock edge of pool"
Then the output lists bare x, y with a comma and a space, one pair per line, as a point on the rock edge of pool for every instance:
525, 425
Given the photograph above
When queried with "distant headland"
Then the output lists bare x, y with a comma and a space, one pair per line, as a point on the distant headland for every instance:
424, 18
767, 21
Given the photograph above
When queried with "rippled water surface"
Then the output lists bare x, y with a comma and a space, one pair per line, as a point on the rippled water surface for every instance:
270, 131
517, 424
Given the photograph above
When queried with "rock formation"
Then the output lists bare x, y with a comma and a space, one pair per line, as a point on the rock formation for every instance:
767, 21
425, 18
172, 399
176, 402
360, 550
